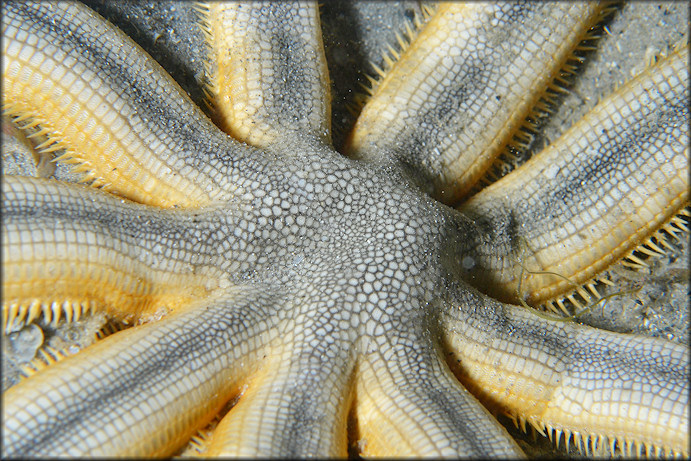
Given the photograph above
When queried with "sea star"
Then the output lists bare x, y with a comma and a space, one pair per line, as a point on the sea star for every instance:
368, 271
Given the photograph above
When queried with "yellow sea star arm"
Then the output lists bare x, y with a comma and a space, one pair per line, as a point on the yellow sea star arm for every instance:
408, 404
110, 106
269, 75
462, 89
296, 405
94, 251
146, 390
592, 196
562, 376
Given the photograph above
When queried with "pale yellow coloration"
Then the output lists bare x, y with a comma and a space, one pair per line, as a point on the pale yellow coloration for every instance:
532, 383
247, 432
329, 289
584, 234
143, 423
54, 273
232, 433
392, 421
254, 91
91, 116
487, 68
45, 357
28, 137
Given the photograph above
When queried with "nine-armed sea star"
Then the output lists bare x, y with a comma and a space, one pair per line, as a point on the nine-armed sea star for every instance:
314, 286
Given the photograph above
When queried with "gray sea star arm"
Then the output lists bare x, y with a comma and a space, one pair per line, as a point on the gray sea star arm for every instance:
592, 196
463, 87
562, 376
268, 74
125, 120
92, 250
145, 390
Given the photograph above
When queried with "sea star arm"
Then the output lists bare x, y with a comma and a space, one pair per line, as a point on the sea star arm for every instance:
146, 390
409, 404
269, 75
297, 404
463, 87
117, 113
67, 249
592, 196
565, 377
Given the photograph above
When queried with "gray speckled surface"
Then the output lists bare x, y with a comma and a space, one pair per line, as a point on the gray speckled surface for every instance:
354, 35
